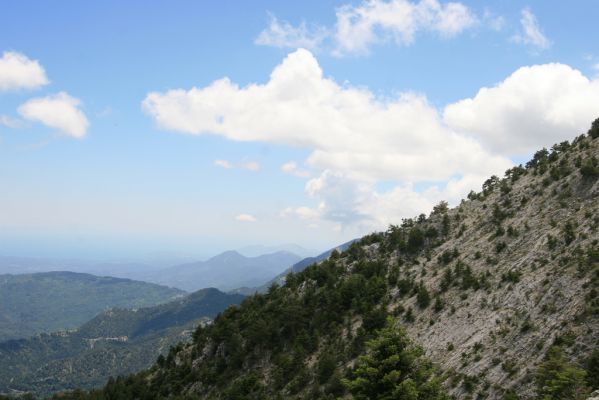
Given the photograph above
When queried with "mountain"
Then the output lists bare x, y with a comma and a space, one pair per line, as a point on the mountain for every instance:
225, 271
257, 250
116, 342
496, 298
297, 267
29, 265
51, 301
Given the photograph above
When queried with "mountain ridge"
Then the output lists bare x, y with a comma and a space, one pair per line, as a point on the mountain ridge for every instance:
115, 342
297, 267
225, 271
50, 301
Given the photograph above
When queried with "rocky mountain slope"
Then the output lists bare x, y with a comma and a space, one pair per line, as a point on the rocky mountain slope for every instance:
51, 301
497, 298
116, 342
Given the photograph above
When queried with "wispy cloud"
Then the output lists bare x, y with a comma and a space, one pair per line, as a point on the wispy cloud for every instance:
495, 22
291, 168
284, 35
531, 33
11, 122
358, 27
250, 165
302, 212
223, 164
245, 218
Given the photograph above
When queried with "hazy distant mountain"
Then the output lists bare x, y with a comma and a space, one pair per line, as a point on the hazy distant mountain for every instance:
297, 267
225, 271
256, 250
51, 301
113, 343
120, 269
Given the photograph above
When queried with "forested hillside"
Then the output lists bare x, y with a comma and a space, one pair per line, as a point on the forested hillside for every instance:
496, 298
116, 342
51, 301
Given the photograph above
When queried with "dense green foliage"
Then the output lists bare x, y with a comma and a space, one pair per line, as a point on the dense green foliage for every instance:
557, 379
393, 368
594, 131
117, 342
51, 301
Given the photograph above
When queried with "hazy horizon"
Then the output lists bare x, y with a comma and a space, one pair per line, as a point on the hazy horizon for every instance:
189, 128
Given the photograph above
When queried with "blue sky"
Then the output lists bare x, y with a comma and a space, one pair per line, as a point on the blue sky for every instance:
107, 150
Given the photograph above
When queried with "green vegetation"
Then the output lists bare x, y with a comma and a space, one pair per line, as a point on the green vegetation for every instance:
52, 301
557, 379
594, 131
483, 286
393, 368
113, 343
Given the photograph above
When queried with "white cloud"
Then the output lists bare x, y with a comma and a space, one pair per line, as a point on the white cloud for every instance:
398, 20
246, 218
284, 35
535, 106
19, 72
291, 168
373, 21
250, 165
357, 140
348, 129
495, 22
11, 122
59, 111
223, 164
358, 205
302, 212
531, 32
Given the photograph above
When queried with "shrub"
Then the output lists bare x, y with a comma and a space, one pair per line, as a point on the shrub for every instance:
325, 367
439, 304
569, 234
415, 240
511, 276
558, 379
500, 246
423, 298
589, 171
594, 131
393, 368
592, 369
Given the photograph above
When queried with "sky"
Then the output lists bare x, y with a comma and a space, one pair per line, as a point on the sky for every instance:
192, 127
